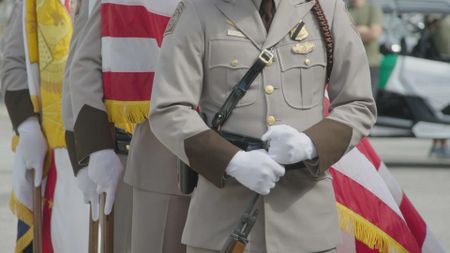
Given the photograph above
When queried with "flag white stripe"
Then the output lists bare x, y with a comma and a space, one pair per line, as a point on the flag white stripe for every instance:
392, 183
160, 7
431, 244
129, 54
351, 164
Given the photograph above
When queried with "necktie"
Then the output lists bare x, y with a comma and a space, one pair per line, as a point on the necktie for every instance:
267, 11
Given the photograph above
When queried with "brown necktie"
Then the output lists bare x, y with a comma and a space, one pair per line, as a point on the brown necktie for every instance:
267, 11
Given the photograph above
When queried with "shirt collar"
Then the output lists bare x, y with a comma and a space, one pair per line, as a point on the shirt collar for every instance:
258, 3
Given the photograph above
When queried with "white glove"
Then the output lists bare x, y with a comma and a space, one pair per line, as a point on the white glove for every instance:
255, 170
105, 169
288, 146
22, 183
89, 190
31, 149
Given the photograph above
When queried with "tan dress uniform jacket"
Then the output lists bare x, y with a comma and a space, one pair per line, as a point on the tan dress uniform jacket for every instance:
80, 18
14, 72
208, 47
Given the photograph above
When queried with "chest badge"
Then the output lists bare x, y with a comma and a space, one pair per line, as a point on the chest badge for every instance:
299, 32
303, 48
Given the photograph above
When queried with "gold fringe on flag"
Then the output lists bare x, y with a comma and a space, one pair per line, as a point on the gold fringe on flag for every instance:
366, 232
126, 114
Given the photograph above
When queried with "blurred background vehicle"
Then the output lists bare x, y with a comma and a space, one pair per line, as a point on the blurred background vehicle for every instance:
414, 88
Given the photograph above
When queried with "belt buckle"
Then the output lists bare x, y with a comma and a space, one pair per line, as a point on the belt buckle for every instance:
266, 57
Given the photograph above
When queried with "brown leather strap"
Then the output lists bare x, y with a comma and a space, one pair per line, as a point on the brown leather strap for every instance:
327, 36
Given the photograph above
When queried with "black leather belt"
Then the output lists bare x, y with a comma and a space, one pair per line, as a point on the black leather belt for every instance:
249, 143
122, 142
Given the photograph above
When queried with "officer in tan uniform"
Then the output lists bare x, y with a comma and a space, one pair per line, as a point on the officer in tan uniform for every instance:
158, 208
69, 224
80, 14
91, 143
208, 47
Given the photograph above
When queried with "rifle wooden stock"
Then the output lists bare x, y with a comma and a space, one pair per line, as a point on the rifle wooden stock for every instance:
234, 246
37, 217
93, 234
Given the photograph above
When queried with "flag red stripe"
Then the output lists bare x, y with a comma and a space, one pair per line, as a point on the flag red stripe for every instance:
128, 86
362, 248
363, 202
127, 21
415, 222
368, 151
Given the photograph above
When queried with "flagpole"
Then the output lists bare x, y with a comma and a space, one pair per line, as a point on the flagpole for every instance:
93, 234
107, 229
37, 217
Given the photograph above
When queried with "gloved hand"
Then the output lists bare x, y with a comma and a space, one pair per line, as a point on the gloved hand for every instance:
22, 183
89, 190
255, 170
31, 149
288, 146
105, 169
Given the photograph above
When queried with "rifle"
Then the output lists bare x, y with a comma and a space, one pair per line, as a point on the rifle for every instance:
238, 240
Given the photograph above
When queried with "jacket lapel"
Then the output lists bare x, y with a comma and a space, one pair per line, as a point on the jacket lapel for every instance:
288, 14
246, 18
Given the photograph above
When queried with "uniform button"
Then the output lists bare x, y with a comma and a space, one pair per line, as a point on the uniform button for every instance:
308, 62
270, 120
234, 63
269, 89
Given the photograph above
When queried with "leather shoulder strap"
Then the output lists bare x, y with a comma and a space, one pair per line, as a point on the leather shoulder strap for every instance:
327, 36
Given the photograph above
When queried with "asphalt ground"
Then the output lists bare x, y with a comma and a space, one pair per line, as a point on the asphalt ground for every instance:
426, 182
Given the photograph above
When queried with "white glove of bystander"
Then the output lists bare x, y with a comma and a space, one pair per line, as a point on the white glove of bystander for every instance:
105, 169
31, 149
255, 170
30, 155
288, 146
89, 190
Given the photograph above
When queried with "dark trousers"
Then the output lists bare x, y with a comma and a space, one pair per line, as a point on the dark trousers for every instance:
374, 79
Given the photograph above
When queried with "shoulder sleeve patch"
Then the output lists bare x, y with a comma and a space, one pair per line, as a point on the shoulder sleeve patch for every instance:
174, 19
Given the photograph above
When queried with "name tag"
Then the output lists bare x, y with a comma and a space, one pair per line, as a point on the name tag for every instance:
235, 33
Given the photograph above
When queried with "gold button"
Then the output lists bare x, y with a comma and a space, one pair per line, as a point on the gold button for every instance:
269, 89
234, 63
308, 62
270, 120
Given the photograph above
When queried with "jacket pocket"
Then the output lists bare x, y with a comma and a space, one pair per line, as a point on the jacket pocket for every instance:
303, 74
228, 61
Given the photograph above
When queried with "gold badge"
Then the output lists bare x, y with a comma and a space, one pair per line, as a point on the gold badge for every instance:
299, 32
174, 19
303, 48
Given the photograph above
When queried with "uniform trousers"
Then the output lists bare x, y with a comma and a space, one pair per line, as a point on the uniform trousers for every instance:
70, 215
198, 250
122, 215
158, 222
